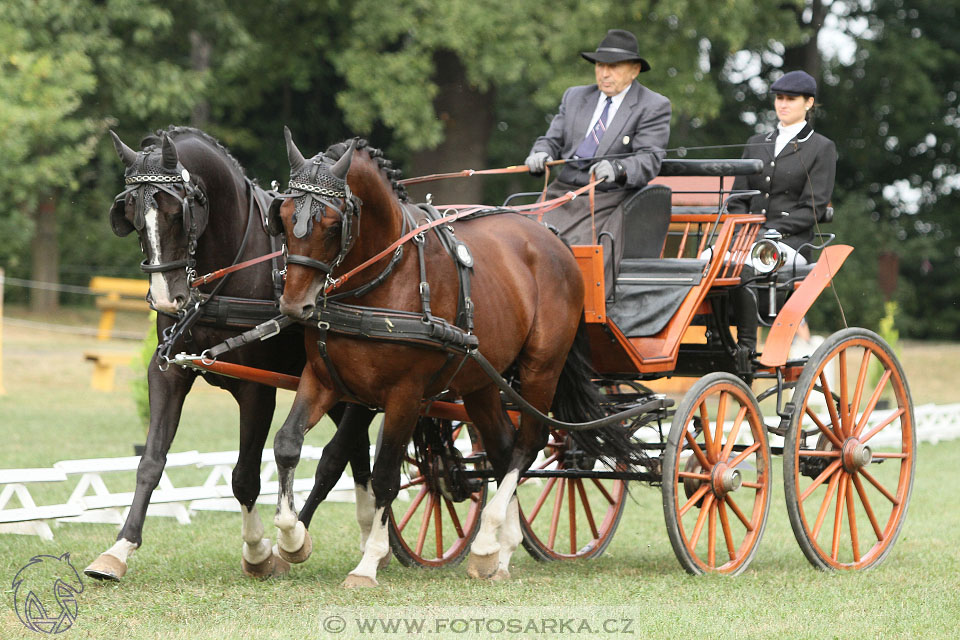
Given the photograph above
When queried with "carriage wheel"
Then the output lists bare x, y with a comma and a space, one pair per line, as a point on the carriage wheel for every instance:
716, 477
434, 530
567, 518
848, 465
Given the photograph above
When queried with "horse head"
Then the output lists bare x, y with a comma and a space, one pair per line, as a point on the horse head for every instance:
165, 204
319, 219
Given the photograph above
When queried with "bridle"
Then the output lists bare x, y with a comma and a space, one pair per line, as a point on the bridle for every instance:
314, 190
145, 185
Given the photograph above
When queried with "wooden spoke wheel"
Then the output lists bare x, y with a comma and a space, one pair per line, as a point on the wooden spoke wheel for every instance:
568, 518
848, 464
716, 477
435, 527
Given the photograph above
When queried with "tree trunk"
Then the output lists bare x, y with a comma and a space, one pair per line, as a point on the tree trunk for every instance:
45, 252
806, 56
467, 116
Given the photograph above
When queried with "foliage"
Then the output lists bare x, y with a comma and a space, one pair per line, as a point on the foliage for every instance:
70, 69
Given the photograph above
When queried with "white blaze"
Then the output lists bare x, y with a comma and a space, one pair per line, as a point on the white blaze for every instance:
158, 284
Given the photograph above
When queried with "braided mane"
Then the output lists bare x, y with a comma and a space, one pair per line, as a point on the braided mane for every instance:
151, 142
335, 151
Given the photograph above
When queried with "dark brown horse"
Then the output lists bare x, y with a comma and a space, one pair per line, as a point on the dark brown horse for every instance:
195, 212
527, 293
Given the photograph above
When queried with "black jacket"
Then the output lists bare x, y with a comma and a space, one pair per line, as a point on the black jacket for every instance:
795, 187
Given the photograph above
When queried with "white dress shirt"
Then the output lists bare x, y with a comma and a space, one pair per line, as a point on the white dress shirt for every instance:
614, 105
785, 135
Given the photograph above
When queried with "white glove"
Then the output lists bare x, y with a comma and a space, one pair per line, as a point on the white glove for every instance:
604, 171
537, 161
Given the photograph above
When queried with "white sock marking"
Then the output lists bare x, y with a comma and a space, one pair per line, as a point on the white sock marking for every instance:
377, 547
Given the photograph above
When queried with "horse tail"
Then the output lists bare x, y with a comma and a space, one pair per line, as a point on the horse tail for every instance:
579, 399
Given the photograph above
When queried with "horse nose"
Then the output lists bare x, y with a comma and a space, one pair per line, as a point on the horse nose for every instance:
298, 311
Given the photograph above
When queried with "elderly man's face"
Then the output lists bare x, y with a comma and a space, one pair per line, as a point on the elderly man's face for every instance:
614, 78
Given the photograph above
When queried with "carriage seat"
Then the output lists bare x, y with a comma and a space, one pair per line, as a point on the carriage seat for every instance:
650, 290
646, 220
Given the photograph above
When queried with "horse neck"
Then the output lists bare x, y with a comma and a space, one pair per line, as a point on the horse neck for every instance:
228, 205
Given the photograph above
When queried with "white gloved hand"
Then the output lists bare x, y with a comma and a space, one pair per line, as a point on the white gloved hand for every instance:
604, 171
537, 161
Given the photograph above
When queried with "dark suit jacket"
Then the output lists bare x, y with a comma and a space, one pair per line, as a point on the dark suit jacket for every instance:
795, 187
641, 124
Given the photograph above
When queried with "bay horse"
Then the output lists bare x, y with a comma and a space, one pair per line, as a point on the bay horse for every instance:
195, 211
342, 211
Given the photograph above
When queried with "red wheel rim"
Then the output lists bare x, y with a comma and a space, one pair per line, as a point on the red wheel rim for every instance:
433, 530
851, 502
567, 518
722, 495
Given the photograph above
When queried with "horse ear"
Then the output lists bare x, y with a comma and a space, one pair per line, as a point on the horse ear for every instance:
127, 155
169, 151
293, 154
340, 169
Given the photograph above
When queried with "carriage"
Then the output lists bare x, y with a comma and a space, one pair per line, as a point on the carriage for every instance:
841, 417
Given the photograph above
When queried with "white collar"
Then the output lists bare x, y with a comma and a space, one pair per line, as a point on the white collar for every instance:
792, 130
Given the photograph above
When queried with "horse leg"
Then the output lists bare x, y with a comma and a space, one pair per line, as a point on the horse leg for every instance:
312, 401
167, 391
510, 536
257, 404
497, 538
350, 442
400, 418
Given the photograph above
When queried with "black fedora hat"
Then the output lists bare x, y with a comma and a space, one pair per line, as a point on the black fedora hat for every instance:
617, 46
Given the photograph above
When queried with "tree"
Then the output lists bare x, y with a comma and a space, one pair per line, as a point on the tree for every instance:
57, 56
441, 75
896, 124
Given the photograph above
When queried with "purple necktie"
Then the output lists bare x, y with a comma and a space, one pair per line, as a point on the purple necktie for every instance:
588, 148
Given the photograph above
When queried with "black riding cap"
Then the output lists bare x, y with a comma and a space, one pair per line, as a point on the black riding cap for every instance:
795, 83
617, 46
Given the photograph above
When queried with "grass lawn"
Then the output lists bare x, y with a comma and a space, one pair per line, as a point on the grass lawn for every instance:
185, 582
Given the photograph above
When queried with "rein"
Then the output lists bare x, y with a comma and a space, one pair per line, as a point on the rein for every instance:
463, 211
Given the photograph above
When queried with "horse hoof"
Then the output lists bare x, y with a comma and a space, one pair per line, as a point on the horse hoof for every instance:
501, 574
273, 567
106, 567
384, 561
301, 555
354, 581
479, 566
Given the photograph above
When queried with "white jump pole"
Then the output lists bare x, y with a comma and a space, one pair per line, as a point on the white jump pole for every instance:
2, 390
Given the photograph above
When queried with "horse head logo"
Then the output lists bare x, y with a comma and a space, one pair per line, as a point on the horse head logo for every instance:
45, 594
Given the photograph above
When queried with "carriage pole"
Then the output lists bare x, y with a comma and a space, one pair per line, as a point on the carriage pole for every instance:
2, 390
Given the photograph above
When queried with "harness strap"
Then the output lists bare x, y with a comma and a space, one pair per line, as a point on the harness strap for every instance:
338, 382
659, 402
462, 211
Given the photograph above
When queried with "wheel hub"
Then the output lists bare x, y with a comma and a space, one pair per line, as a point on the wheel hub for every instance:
725, 480
855, 455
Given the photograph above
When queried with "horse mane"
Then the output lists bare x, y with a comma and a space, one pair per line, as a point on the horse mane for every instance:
152, 141
335, 151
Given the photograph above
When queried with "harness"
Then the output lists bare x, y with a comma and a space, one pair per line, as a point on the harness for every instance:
144, 179
314, 190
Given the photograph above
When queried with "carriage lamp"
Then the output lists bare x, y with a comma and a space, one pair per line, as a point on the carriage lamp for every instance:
766, 256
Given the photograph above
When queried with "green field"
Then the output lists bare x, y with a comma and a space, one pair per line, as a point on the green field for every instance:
186, 582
